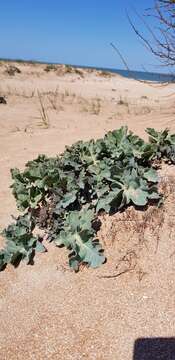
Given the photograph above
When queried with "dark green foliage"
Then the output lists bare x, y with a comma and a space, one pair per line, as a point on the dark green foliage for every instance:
164, 144
64, 195
34, 184
20, 242
78, 236
129, 187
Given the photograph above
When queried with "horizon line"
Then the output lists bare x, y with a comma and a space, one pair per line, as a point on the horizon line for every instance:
30, 61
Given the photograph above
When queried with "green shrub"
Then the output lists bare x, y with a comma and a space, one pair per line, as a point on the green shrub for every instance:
64, 195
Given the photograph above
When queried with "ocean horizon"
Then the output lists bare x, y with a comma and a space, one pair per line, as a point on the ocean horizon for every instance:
131, 74
135, 74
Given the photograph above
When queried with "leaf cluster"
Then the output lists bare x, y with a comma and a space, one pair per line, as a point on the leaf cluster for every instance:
20, 242
65, 194
164, 144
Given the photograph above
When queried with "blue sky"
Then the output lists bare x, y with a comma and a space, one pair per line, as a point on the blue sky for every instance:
73, 31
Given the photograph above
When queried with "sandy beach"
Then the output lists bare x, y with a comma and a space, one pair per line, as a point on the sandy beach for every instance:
47, 311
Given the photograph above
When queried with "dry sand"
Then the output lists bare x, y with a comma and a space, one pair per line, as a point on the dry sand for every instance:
46, 311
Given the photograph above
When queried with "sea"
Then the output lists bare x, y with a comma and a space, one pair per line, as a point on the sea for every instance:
132, 74
138, 75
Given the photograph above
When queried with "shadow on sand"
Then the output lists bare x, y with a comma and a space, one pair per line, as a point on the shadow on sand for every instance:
154, 349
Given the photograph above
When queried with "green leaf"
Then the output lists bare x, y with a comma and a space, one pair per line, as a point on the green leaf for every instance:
137, 196
20, 242
154, 135
40, 247
88, 250
64, 239
68, 199
151, 175
78, 236
112, 200
80, 219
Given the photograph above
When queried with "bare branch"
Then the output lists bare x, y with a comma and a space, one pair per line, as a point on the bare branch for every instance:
161, 39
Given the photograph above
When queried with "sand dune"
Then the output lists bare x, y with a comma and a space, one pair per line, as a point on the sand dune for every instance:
47, 312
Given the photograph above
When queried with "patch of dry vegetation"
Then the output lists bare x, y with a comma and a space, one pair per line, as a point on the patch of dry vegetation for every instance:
105, 74
62, 70
45, 123
12, 70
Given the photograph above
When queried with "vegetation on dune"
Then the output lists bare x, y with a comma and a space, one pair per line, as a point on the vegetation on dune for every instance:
105, 73
3, 100
12, 70
64, 195
63, 69
50, 67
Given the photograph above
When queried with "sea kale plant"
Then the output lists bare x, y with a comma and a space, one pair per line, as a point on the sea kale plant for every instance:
164, 144
64, 195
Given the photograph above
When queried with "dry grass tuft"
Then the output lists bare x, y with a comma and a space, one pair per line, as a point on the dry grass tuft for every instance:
43, 113
50, 67
123, 102
95, 106
105, 74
